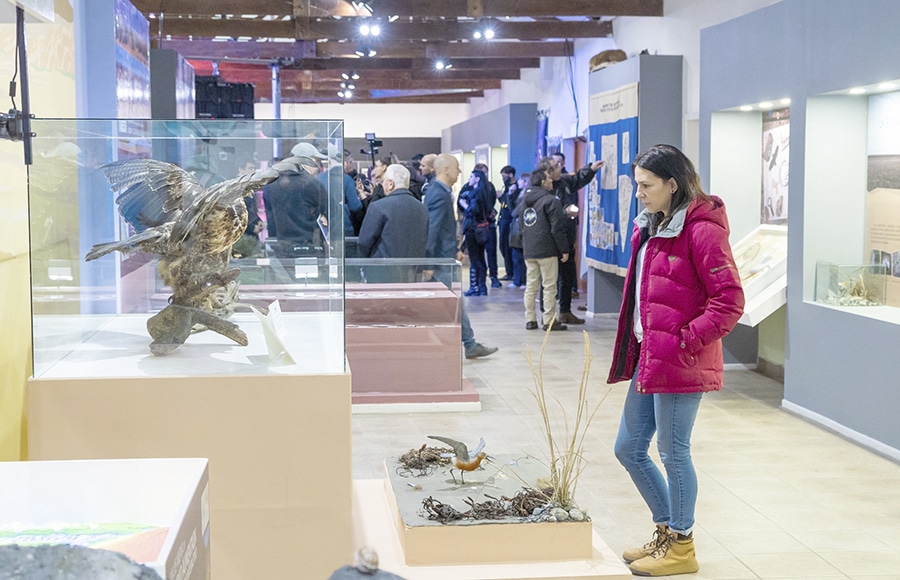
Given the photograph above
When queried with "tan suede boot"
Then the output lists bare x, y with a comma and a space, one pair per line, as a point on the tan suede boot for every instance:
675, 556
658, 539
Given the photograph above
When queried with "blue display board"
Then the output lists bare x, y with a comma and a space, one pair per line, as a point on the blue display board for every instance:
612, 206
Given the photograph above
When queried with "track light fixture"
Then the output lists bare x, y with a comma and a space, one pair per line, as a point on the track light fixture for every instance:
367, 6
441, 65
487, 33
365, 50
348, 76
369, 29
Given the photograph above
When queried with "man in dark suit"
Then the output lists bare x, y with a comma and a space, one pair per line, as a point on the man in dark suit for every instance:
442, 239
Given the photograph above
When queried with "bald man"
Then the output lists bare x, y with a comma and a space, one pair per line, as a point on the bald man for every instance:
426, 166
442, 238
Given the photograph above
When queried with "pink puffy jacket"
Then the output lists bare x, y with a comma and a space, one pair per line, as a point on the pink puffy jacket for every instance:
691, 297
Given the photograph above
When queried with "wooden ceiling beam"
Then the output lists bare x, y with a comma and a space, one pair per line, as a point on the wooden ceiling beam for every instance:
479, 63
410, 8
498, 49
238, 72
453, 74
534, 8
206, 49
346, 29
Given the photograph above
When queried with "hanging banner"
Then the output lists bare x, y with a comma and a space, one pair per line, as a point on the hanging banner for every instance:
611, 203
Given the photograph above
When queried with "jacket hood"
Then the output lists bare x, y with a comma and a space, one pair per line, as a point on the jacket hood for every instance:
695, 211
533, 193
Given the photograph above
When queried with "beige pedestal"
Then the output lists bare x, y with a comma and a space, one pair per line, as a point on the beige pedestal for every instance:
374, 525
168, 495
278, 446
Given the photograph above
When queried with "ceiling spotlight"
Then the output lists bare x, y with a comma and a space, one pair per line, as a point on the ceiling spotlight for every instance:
345, 76
393, 18
341, 94
367, 6
489, 33
477, 35
354, 76
375, 30
857, 91
887, 86
785, 101
765, 105
746, 108
348, 94
364, 29
364, 50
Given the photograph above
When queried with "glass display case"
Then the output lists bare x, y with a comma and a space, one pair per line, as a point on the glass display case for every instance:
156, 206
761, 259
857, 285
851, 240
403, 332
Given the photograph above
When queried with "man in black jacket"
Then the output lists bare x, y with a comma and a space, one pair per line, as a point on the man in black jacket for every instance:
544, 244
397, 225
565, 188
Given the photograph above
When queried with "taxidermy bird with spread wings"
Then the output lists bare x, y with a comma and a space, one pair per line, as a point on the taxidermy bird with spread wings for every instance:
191, 228
463, 459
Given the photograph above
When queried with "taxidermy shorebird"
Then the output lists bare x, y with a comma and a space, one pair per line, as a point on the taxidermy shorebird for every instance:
191, 228
463, 459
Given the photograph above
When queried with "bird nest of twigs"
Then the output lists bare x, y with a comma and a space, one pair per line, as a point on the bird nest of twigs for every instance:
423, 461
521, 505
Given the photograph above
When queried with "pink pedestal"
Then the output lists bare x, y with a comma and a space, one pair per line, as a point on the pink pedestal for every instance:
404, 344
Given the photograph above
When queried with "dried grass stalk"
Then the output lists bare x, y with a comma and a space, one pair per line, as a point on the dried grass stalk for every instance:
567, 449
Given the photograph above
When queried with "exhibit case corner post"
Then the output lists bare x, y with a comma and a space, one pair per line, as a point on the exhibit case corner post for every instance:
133, 218
165, 343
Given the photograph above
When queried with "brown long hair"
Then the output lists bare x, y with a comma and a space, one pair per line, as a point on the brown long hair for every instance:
668, 162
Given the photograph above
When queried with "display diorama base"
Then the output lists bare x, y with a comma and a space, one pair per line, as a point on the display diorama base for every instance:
154, 511
278, 439
388, 515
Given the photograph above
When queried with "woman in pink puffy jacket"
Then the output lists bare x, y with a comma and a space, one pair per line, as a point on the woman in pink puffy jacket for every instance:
682, 295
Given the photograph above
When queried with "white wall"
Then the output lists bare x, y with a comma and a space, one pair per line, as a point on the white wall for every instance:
387, 120
678, 32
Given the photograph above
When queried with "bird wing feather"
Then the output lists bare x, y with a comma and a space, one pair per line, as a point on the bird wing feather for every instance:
149, 240
478, 449
233, 189
459, 448
149, 192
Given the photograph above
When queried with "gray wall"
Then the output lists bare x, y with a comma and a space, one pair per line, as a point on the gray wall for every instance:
840, 368
515, 124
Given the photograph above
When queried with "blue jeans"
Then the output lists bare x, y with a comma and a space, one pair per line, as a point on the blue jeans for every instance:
671, 417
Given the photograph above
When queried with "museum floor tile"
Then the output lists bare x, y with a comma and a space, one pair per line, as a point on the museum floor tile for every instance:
779, 497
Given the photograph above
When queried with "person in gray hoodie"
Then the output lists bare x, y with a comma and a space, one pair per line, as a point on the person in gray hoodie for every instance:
544, 245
